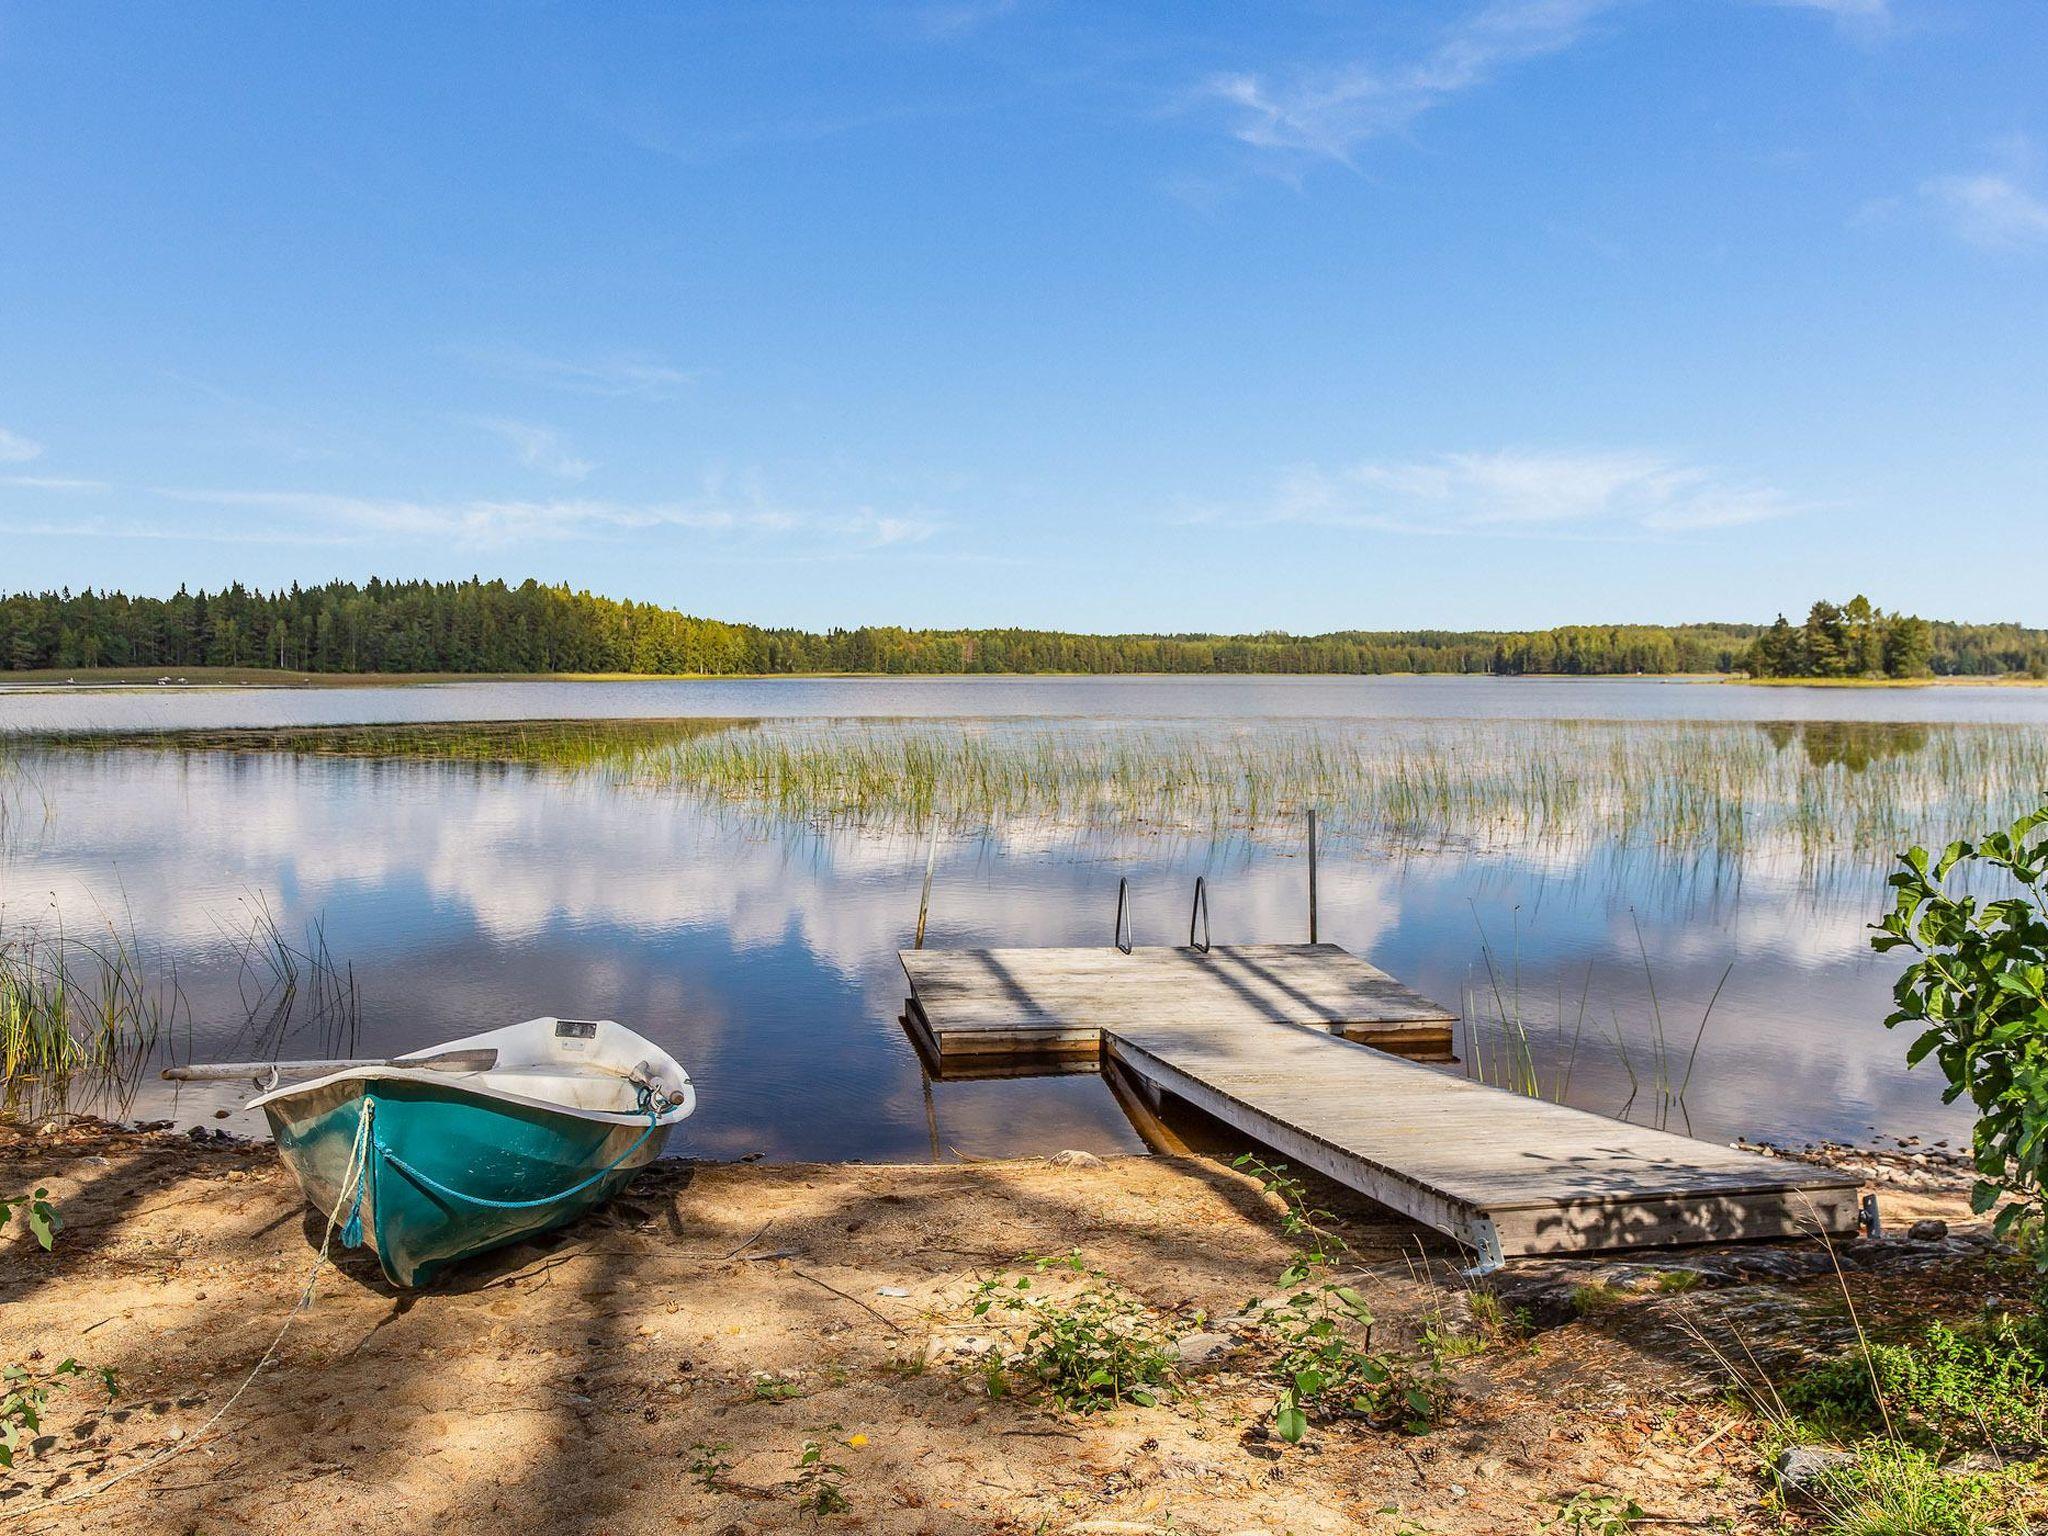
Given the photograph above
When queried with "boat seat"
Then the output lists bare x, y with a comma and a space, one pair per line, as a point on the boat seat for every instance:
604, 1092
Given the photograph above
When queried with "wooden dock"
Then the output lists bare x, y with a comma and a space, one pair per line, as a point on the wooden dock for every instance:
988, 1007
1269, 1039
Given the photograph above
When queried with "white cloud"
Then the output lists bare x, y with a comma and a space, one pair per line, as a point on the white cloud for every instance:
479, 522
1522, 492
16, 449
618, 375
1862, 15
1332, 112
538, 447
53, 483
1991, 210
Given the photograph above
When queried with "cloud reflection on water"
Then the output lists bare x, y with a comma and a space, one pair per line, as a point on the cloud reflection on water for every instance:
763, 956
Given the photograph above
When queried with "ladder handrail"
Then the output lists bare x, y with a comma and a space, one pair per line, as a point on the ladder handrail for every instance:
1201, 910
1124, 937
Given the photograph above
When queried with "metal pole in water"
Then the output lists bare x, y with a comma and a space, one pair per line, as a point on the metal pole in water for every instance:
924, 901
1312, 877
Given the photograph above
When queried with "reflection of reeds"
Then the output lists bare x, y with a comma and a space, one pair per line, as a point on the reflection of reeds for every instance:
78, 1016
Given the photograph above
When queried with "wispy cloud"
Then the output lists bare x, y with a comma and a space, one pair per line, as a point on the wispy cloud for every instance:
537, 447
1991, 209
956, 18
616, 376
1854, 15
1543, 492
486, 523
1331, 112
16, 449
54, 483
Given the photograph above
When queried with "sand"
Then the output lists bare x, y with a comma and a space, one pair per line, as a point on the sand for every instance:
571, 1384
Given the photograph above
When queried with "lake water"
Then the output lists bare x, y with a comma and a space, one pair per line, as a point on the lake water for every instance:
761, 950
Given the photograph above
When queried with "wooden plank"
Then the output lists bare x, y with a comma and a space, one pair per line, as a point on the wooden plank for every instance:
1506, 1174
988, 1001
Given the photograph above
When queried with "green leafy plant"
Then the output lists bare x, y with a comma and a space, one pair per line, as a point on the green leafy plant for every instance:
1587, 1513
710, 1466
1978, 989
1091, 1345
41, 1216
1982, 1384
819, 1485
1322, 1331
25, 1393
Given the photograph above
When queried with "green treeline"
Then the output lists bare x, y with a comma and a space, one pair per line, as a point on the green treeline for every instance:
1853, 639
488, 626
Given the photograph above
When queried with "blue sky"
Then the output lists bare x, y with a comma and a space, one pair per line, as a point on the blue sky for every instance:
1305, 316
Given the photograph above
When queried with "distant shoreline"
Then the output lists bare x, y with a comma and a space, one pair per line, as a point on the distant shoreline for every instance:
62, 680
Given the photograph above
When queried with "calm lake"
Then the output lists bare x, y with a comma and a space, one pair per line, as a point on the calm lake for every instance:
1506, 847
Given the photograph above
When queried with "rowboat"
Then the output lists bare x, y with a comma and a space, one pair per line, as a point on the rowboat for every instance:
434, 1157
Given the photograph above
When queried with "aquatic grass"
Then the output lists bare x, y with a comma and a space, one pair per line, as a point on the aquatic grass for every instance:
78, 1018
1501, 1040
1824, 792
1721, 790
290, 990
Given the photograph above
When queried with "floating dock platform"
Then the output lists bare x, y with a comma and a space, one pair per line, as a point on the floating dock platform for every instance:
990, 1007
1290, 1045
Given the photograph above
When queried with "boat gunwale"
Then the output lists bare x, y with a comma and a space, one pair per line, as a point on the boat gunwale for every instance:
479, 1084
471, 1083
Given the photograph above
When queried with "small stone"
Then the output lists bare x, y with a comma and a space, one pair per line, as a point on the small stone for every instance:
1802, 1469
1201, 1348
1071, 1158
1929, 1231
220, 1114
896, 1291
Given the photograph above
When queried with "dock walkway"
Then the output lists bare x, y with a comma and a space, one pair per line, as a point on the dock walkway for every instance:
993, 1005
1268, 1040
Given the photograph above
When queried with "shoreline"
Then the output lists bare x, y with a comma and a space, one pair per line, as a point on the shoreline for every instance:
82, 680
734, 1313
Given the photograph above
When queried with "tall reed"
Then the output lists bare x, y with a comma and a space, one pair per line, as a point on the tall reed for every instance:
78, 1018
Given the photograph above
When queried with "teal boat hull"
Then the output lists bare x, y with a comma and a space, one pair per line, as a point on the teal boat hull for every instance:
514, 1159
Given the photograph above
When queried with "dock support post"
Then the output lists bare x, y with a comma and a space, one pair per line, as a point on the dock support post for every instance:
924, 901
1312, 877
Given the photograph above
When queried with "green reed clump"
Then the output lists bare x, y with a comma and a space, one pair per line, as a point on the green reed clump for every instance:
78, 1016
1713, 788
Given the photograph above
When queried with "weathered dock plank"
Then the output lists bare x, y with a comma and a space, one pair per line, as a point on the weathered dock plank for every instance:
1504, 1173
978, 1004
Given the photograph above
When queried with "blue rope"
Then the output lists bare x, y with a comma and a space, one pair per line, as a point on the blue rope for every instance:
653, 1121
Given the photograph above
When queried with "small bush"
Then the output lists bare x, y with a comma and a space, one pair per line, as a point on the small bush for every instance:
1322, 1332
1978, 991
1091, 1346
1984, 1384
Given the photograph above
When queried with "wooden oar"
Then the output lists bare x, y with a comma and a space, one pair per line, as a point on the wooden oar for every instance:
258, 1071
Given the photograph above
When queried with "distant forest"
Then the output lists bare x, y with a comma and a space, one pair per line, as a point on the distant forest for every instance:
488, 626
